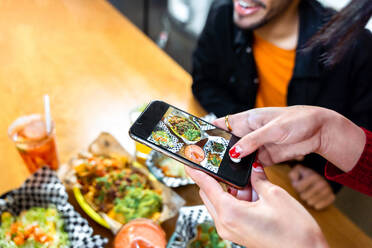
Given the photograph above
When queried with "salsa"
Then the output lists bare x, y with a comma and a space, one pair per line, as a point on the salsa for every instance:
140, 233
194, 153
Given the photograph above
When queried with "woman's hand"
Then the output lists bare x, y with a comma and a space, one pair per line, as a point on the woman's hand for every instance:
274, 220
282, 134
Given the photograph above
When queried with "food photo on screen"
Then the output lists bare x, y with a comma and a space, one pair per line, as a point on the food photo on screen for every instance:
191, 138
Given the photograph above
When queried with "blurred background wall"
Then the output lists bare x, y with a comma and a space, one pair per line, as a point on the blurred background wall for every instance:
175, 26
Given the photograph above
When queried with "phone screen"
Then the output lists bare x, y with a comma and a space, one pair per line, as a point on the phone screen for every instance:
191, 138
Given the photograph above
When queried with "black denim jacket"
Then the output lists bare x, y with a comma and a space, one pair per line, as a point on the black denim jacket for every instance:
225, 79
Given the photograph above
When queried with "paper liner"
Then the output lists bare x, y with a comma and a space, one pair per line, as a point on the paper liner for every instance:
43, 189
187, 222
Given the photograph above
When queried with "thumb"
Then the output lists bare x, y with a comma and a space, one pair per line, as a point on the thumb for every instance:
259, 181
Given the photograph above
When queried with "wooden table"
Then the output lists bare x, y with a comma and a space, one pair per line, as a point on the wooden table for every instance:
96, 66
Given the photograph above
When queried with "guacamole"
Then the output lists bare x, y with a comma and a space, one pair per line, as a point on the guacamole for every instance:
138, 203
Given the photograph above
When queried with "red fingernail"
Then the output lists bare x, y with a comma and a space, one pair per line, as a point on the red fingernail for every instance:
234, 153
257, 167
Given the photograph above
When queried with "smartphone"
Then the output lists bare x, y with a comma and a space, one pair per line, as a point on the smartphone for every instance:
191, 141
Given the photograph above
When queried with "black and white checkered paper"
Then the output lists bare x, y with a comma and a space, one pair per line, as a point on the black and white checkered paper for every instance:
187, 222
176, 145
43, 189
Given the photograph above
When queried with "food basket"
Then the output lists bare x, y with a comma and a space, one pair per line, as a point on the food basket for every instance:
188, 219
44, 189
107, 146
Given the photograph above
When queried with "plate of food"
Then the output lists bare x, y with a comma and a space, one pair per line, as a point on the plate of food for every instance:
163, 137
35, 227
184, 127
113, 189
113, 186
167, 170
195, 229
38, 215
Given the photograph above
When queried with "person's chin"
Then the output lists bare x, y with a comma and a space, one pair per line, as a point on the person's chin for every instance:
247, 23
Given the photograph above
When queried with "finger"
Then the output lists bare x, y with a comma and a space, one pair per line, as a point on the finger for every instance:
283, 152
254, 195
325, 202
305, 183
232, 191
208, 185
264, 156
238, 123
259, 180
208, 204
220, 122
299, 172
295, 173
300, 158
319, 197
205, 182
254, 140
245, 194
259, 117
315, 189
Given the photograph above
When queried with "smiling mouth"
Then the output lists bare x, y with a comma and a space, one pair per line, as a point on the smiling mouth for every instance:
250, 4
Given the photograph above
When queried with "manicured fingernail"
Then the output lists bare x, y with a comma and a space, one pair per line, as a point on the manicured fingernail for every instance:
257, 167
254, 195
235, 152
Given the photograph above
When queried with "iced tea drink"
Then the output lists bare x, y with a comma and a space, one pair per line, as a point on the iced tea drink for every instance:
35, 144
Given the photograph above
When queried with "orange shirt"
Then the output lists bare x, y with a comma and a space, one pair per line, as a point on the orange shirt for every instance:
275, 68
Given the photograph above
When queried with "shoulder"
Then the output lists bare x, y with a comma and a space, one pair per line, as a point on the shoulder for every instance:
364, 38
361, 50
315, 11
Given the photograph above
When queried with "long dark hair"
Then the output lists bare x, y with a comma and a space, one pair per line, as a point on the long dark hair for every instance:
339, 33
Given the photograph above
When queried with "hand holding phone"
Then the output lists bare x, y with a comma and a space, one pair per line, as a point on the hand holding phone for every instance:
191, 141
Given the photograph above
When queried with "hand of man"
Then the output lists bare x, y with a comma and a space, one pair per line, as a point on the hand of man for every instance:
312, 188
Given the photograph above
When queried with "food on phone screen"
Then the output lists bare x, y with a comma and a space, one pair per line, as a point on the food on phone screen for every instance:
214, 159
140, 233
35, 227
194, 153
194, 140
207, 237
111, 185
185, 128
172, 168
162, 138
217, 147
